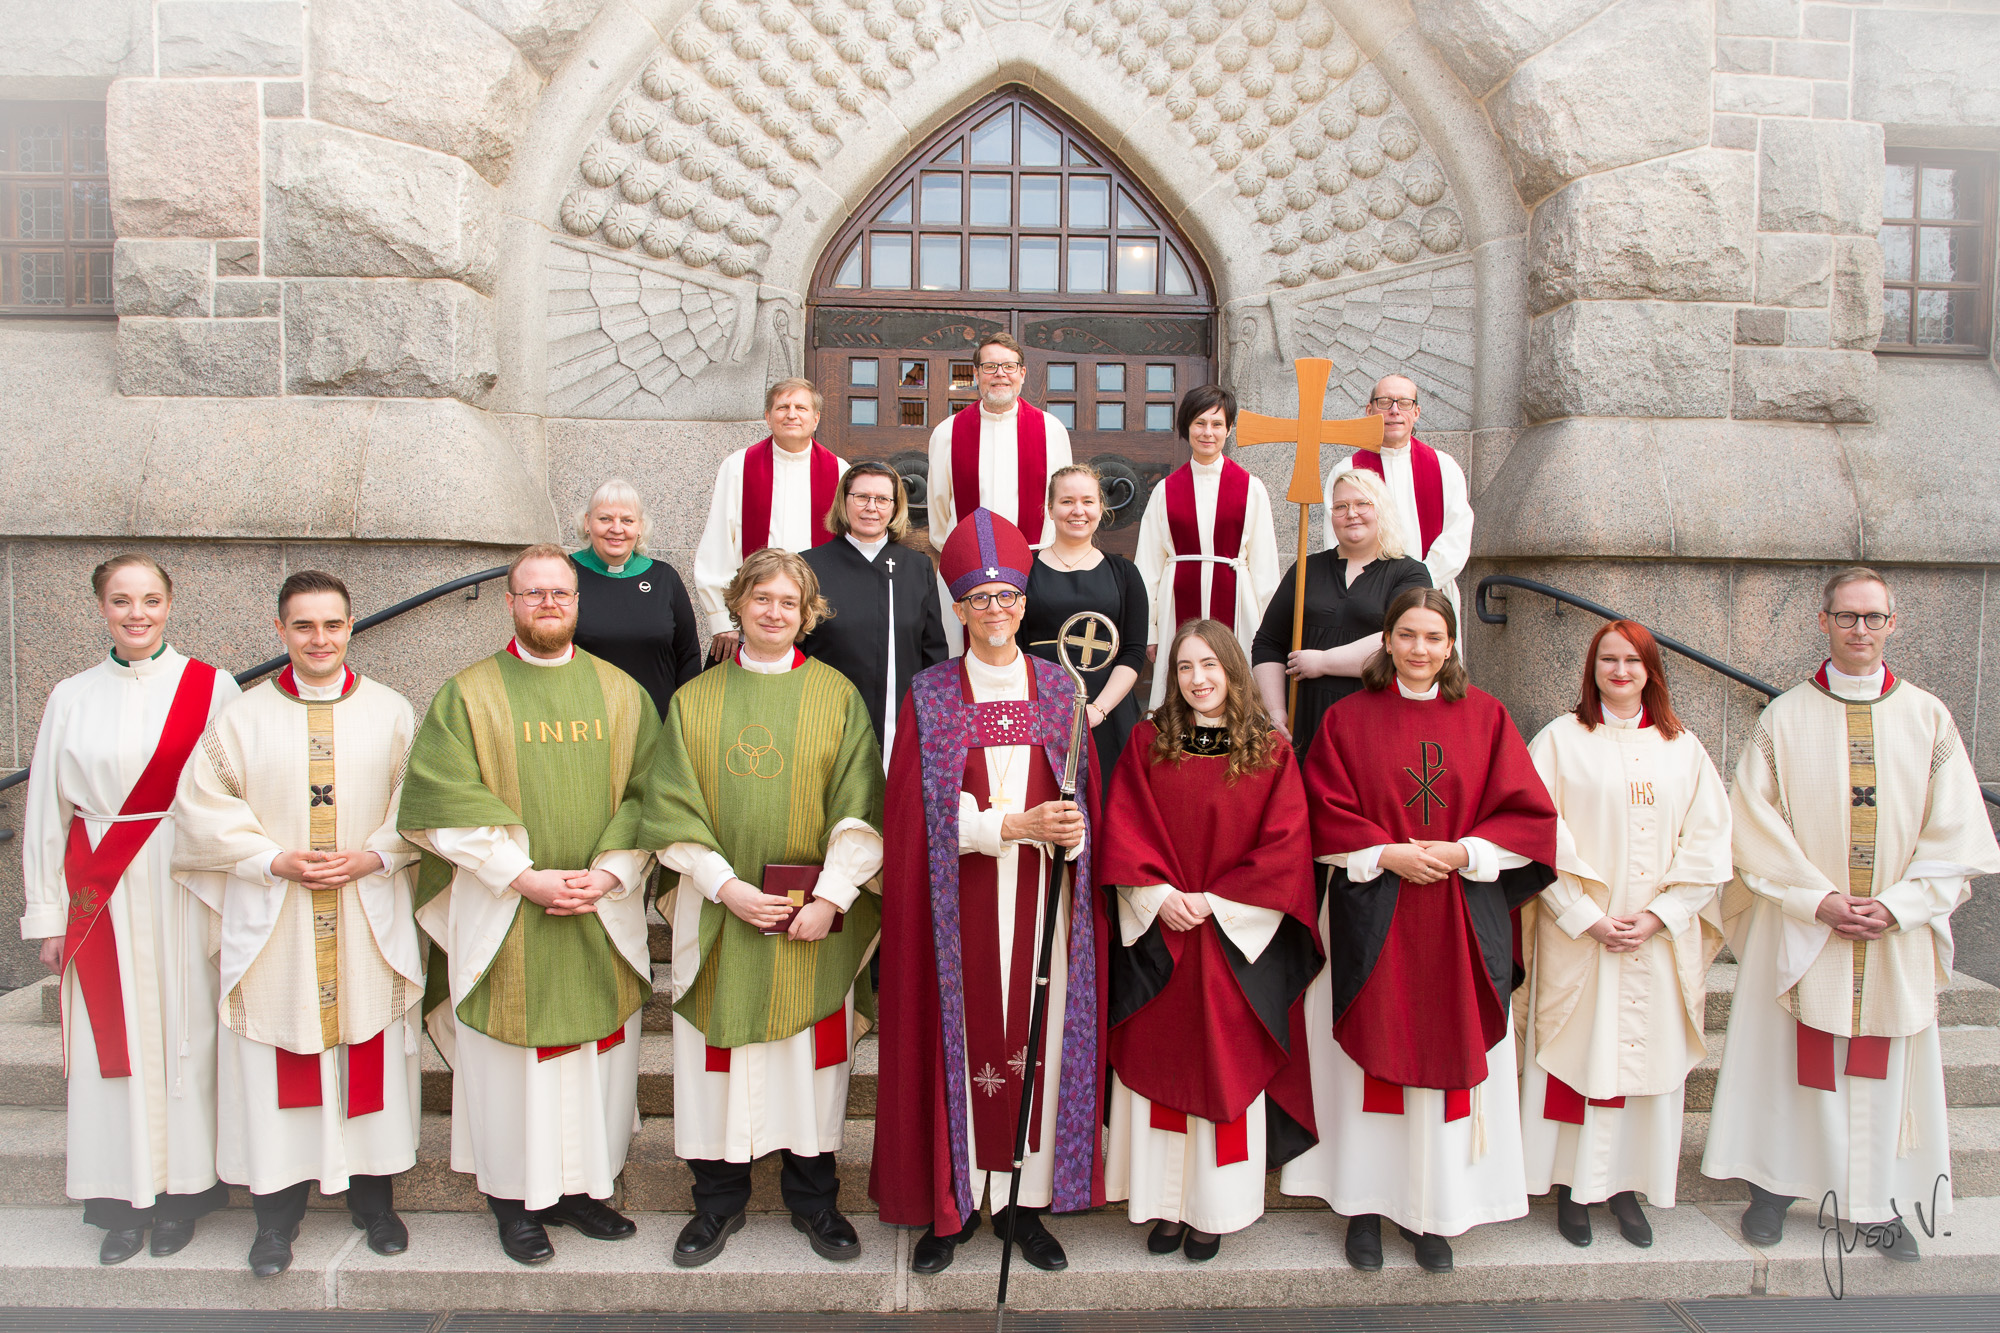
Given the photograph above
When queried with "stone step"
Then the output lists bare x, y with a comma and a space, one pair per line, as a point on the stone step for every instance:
48, 1258
1971, 1069
1966, 1001
1975, 1158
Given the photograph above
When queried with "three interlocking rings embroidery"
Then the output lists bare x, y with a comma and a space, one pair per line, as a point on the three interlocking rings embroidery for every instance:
755, 754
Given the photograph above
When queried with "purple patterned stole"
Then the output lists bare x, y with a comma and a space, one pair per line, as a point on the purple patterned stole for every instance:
948, 728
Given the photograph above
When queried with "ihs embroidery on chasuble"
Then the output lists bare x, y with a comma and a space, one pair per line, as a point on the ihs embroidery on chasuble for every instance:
1430, 757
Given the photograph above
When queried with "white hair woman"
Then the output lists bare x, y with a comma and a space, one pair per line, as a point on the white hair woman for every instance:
1347, 591
631, 610
129, 943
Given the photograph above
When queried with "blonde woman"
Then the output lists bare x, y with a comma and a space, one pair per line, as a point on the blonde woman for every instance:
631, 610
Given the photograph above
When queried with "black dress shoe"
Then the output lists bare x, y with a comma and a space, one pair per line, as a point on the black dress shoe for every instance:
1764, 1219
118, 1246
1038, 1247
1632, 1223
1364, 1242
171, 1237
1895, 1240
386, 1232
525, 1241
1164, 1240
1200, 1251
703, 1238
1572, 1218
271, 1251
831, 1235
1433, 1252
593, 1218
934, 1253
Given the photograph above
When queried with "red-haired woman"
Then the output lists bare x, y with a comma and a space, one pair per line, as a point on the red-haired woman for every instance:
1619, 946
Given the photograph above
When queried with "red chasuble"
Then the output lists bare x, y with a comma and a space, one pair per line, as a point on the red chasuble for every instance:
1426, 477
1232, 500
1031, 459
757, 472
1195, 1026
1422, 972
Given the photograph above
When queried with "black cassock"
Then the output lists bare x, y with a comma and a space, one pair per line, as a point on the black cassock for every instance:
898, 589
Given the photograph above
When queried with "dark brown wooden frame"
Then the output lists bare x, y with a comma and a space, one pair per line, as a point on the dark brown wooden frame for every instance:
1976, 339
86, 259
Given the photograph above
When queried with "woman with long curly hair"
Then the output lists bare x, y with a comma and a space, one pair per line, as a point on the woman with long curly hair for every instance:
1205, 843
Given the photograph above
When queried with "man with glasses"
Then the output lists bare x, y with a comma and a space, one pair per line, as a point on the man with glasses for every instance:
973, 815
776, 492
524, 790
886, 625
997, 453
1857, 824
1426, 487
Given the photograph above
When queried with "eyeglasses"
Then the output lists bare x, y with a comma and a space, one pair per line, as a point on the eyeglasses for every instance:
536, 596
981, 601
1872, 619
1001, 367
871, 501
1384, 404
1346, 507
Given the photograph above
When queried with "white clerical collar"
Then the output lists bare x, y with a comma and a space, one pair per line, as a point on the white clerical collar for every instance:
869, 549
1202, 469
1618, 723
163, 658
1013, 410
1014, 675
762, 668
319, 693
569, 651
784, 455
1409, 693
1855, 687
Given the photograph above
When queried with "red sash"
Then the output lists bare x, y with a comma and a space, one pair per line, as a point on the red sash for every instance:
1031, 443
1426, 477
1232, 500
92, 874
757, 468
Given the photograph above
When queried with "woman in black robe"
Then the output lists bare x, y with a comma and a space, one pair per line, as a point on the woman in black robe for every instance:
1348, 591
1072, 575
886, 624
631, 610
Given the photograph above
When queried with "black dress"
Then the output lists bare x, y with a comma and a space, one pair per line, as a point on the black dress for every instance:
896, 590
1336, 614
1114, 587
642, 623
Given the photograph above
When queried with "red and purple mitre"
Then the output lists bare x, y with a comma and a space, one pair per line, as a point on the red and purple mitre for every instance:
985, 548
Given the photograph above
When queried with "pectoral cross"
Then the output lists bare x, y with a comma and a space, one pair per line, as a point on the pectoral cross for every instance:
1308, 432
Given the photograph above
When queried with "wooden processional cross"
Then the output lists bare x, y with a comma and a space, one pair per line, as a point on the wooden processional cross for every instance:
1308, 433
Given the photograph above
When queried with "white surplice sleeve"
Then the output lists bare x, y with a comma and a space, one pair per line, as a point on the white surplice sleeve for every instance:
717, 557
1260, 549
1448, 554
490, 854
937, 486
45, 828
1155, 549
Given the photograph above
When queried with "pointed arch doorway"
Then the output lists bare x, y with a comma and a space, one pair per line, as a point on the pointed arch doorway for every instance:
1014, 218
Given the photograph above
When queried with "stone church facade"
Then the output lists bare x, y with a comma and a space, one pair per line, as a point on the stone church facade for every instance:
395, 283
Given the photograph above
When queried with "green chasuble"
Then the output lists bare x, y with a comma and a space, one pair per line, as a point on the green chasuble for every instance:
563, 752
760, 768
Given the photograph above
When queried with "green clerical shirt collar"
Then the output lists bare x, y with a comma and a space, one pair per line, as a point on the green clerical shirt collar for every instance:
635, 564
149, 657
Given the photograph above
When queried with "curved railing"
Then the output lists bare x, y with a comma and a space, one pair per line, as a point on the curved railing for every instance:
388, 613
1491, 617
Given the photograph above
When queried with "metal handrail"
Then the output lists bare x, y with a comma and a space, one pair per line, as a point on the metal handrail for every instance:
1491, 617
268, 665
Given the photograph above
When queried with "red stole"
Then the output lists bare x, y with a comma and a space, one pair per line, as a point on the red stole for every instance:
1031, 466
1232, 499
757, 468
1426, 477
996, 1031
298, 1078
92, 874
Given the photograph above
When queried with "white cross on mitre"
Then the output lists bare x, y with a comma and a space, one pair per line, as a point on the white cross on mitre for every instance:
992, 573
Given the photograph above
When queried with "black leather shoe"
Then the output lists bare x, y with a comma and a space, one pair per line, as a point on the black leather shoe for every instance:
1572, 1218
1038, 1247
1166, 1237
831, 1235
525, 1241
171, 1237
1364, 1242
703, 1238
1764, 1219
934, 1253
594, 1219
1200, 1251
386, 1232
1632, 1223
1895, 1240
118, 1246
1433, 1252
271, 1251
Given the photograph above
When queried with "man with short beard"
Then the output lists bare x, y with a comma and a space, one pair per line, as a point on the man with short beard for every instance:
525, 787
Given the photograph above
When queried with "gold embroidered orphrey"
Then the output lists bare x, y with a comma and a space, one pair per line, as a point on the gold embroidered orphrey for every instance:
750, 756
325, 834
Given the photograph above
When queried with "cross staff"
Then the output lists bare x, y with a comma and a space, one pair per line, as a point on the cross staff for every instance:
1308, 432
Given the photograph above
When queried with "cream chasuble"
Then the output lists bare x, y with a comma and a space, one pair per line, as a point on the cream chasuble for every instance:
1862, 787
1645, 828
793, 526
152, 1133
309, 972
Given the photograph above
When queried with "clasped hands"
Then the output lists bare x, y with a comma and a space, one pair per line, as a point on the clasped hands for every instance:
1056, 822
1422, 861
1185, 911
325, 870
1856, 918
764, 910
1624, 934
564, 892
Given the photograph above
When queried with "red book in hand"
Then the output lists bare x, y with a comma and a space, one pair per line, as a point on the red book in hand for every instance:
798, 884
